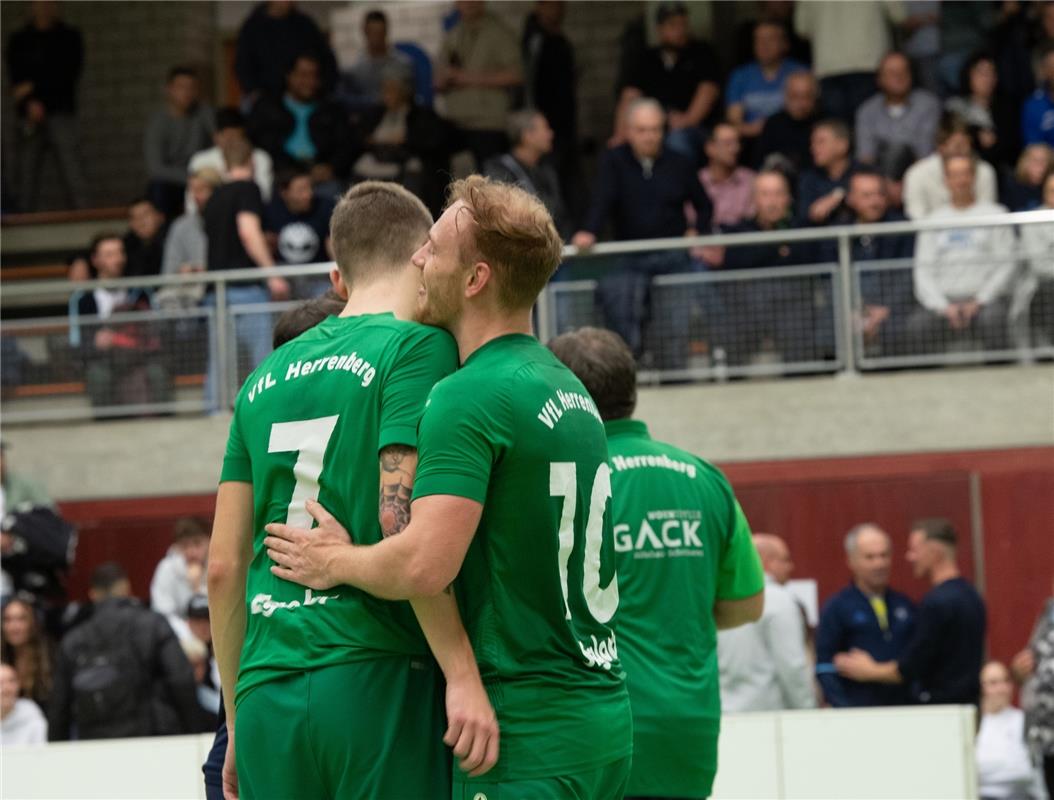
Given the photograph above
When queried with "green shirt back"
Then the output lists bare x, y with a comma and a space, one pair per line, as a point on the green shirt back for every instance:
682, 543
309, 423
515, 430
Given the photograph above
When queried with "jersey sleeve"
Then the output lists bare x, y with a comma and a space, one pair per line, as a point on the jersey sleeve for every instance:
423, 362
740, 575
236, 463
457, 442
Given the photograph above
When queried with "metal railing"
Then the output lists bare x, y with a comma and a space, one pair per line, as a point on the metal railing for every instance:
695, 324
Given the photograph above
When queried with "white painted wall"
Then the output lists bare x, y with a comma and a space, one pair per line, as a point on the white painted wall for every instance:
901, 753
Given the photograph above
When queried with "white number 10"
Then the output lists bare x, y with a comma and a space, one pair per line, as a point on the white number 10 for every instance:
563, 482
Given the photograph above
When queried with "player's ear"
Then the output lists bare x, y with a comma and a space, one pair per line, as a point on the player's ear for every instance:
337, 280
479, 277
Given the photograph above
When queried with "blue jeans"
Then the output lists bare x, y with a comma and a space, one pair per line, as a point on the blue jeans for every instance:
251, 331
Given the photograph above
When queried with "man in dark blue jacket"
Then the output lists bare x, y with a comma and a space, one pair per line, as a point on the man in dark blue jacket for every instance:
866, 615
643, 188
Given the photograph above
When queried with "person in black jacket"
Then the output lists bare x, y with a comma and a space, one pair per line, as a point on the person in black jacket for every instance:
303, 127
122, 673
44, 60
270, 39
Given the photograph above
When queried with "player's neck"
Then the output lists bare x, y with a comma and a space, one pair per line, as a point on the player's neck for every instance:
382, 297
472, 332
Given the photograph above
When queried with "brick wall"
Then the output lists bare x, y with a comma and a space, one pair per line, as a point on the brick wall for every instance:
129, 47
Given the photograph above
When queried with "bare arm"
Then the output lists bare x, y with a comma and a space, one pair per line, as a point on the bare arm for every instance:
230, 552
733, 613
253, 240
703, 100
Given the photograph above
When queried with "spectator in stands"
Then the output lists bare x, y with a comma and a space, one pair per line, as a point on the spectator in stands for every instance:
964, 29
28, 649
1023, 191
984, 108
527, 167
121, 365
550, 85
361, 84
181, 573
270, 40
296, 224
121, 673
303, 127
764, 666
1035, 664
822, 190
924, 187
44, 61
185, 246
893, 165
729, 186
767, 311
866, 615
848, 42
1004, 763
755, 90
922, 43
175, 133
208, 696
643, 188
406, 142
676, 709
886, 295
942, 662
1037, 115
682, 74
780, 12
21, 720
234, 231
230, 127
478, 64
1033, 301
787, 133
963, 275
144, 243
897, 115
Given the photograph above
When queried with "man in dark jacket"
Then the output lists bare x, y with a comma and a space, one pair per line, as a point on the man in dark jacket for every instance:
643, 188
302, 127
122, 673
44, 60
271, 38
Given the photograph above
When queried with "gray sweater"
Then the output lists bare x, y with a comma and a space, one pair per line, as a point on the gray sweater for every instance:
916, 125
169, 142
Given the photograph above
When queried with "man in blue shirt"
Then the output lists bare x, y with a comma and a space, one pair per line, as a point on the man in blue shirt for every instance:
866, 615
942, 662
1037, 115
755, 90
643, 188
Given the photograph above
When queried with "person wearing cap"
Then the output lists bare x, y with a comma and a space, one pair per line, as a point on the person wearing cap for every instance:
942, 662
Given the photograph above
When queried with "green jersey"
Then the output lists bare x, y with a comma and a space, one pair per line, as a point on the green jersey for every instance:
682, 543
309, 423
515, 430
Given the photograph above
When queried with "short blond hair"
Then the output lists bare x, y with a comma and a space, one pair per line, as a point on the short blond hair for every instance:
513, 233
375, 229
209, 175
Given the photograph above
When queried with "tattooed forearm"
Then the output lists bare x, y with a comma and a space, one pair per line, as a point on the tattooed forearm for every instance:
398, 464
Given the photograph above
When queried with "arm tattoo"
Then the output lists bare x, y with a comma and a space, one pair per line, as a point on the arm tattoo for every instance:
396, 490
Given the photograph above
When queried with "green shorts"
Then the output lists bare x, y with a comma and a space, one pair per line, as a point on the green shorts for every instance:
603, 783
368, 730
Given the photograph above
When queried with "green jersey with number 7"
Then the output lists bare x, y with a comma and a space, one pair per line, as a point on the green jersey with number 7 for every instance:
309, 423
515, 430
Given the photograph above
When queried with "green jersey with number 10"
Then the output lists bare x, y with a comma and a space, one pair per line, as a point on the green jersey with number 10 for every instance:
515, 430
309, 423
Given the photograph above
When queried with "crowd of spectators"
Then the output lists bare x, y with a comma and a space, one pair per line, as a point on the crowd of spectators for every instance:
817, 95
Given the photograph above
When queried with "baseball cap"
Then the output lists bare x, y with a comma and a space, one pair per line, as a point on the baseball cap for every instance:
198, 607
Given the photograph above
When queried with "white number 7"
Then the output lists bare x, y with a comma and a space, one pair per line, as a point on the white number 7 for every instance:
309, 438
563, 482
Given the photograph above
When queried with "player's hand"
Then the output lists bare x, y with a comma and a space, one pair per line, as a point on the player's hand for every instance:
472, 726
856, 664
307, 556
230, 770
